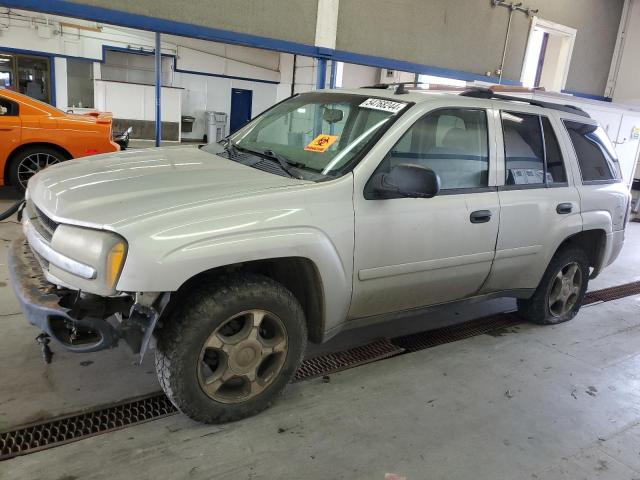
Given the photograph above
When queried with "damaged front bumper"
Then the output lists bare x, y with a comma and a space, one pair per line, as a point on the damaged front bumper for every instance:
81, 322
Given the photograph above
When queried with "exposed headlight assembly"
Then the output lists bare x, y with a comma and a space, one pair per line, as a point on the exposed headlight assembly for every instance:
103, 252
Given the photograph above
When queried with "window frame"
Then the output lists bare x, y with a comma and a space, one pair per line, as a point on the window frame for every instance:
611, 181
546, 184
368, 195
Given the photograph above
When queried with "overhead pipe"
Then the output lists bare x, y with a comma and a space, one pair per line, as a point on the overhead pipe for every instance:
513, 7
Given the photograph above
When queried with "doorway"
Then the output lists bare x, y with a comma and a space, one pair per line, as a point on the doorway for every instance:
548, 55
241, 101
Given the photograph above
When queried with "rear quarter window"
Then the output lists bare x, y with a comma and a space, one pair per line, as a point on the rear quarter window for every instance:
596, 156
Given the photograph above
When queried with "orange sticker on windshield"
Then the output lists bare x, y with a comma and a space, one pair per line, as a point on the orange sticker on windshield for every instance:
321, 143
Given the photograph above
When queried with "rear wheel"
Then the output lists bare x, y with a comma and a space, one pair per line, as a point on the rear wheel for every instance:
561, 291
27, 162
230, 348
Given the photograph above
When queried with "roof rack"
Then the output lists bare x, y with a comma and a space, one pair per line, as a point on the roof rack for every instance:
481, 92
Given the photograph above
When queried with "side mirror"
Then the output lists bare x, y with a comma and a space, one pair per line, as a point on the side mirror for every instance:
407, 181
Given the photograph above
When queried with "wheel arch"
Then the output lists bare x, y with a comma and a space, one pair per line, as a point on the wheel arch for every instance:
20, 148
593, 242
299, 275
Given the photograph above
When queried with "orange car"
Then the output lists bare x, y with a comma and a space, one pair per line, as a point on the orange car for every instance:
34, 135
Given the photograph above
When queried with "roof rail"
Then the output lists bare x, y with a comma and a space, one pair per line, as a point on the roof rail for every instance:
481, 92
400, 86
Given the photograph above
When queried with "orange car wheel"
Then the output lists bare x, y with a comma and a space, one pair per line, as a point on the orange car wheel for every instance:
27, 162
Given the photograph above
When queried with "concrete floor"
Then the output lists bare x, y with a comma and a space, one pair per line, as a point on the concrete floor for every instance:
532, 403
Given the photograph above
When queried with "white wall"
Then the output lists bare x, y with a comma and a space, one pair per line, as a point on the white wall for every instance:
201, 93
60, 66
355, 76
137, 102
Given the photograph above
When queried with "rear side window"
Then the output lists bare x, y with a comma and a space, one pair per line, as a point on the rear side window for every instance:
531, 151
8, 108
596, 156
555, 164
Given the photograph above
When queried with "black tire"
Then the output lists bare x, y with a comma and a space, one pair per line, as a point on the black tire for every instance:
16, 178
537, 308
191, 323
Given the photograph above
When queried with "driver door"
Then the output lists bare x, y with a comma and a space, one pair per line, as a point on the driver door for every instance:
414, 252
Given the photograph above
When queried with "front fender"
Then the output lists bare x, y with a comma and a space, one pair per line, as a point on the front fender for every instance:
180, 264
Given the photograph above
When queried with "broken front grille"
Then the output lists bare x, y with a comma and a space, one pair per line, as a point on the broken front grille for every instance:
44, 225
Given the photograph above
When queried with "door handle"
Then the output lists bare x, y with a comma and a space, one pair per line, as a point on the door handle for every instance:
564, 208
480, 216
7, 129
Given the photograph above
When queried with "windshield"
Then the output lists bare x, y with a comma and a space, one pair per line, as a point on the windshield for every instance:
318, 132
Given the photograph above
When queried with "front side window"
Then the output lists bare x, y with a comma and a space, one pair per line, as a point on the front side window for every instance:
451, 142
321, 133
531, 150
596, 156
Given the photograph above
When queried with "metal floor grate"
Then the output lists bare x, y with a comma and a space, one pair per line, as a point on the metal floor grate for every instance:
453, 333
612, 293
71, 428
334, 362
58, 431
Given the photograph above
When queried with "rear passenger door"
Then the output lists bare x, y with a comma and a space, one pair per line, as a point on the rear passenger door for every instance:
539, 204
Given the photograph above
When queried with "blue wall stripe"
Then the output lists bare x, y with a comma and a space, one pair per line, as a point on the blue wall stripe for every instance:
588, 95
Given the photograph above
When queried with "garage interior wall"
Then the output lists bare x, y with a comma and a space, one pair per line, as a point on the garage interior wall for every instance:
468, 35
201, 73
264, 18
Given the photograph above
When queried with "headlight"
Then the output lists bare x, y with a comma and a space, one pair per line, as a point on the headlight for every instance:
103, 251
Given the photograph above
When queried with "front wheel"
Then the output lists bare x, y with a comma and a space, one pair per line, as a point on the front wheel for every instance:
561, 291
230, 348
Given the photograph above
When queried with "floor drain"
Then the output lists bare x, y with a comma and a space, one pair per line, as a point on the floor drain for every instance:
334, 362
453, 333
612, 293
40, 436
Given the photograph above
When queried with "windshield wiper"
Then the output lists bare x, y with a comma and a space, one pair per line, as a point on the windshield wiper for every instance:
284, 163
230, 148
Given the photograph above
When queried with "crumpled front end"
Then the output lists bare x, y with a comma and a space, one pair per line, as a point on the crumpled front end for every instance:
51, 287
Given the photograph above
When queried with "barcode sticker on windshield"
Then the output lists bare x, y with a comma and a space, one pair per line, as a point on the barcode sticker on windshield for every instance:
384, 105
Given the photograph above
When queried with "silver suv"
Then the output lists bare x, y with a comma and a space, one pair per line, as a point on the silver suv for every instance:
331, 209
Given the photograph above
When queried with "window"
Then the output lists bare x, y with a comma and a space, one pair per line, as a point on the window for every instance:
596, 156
27, 74
79, 83
322, 134
555, 164
530, 157
8, 108
451, 142
135, 68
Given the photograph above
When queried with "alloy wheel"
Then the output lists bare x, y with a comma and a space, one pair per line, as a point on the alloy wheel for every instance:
565, 289
243, 356
32, 164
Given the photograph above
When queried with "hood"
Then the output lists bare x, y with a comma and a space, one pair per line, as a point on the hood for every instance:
116, 189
